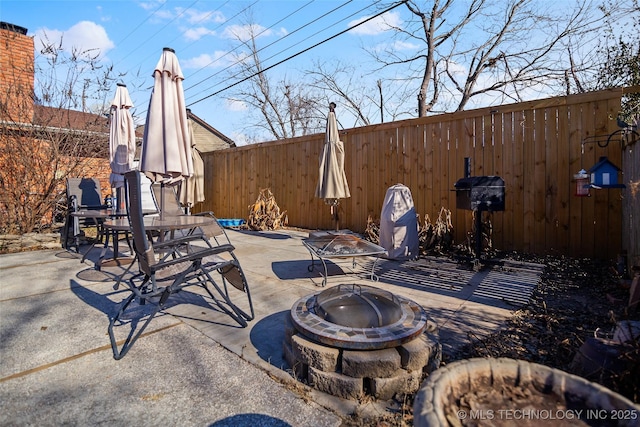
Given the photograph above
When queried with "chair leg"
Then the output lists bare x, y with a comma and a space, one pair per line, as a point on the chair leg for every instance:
133, 335
226, 305
234, 275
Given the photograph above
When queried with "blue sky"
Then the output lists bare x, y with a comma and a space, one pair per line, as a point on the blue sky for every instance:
131, 34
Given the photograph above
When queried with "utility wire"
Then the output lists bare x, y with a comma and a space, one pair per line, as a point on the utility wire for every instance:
270, 44
299, 53
168, 43
224, 23
154, 34
140, 24
301, 41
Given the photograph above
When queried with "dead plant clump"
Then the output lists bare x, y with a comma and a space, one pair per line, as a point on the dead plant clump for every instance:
265, 213
436, 238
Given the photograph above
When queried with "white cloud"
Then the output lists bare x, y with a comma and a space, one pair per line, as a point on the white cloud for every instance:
196, 17
82, 37
198, 33
240, 139
236, 105
377, 25
219, 59
396, 46
244, 32
282, 32
150, 5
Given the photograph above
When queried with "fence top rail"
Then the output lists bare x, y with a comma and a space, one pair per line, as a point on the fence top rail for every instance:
558, 101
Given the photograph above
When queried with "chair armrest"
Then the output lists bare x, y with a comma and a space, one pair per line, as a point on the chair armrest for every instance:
178, 241
205, 252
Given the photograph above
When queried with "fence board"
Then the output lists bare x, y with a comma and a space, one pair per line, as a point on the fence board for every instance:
535, 146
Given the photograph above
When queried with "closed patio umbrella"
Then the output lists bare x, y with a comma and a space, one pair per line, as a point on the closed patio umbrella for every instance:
122, 141
332, 182
192, 190
166, 147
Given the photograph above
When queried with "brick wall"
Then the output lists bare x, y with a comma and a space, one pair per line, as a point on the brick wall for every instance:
16, 74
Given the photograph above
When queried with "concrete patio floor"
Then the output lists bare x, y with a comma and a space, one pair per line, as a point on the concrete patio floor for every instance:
194, 365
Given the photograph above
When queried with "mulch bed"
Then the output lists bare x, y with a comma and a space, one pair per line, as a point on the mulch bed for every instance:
575, 299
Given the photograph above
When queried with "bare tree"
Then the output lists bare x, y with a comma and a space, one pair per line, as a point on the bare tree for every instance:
619, 62
284, 108
43, 141
503, 51
364, 99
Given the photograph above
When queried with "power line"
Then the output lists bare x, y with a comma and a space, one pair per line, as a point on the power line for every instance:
224, 23
299, 53
238, 47
270, 44
168, 43
303, 40
140, 24
154, 34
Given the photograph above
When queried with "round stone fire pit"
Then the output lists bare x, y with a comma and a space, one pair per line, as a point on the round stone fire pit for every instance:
358, 317
507, 392
356, 340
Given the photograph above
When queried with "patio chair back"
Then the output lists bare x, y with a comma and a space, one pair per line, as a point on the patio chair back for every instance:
166, 199
82, 194
141, 246
87, 192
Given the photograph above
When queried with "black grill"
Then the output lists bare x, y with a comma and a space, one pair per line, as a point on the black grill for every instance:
482, 193
479, 193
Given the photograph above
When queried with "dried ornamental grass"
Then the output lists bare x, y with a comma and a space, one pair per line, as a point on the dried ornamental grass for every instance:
265, 213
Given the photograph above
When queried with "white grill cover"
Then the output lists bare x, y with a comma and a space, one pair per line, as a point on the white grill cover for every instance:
398, 224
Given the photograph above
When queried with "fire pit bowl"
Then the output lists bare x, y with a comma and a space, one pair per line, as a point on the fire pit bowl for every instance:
503, 392
358, 317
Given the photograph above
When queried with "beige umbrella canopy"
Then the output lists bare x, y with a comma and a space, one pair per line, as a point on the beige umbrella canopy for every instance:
122, 140
166, 147
332, 182
192, 190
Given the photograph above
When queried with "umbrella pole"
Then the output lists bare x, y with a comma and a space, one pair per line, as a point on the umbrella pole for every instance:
120, 208
334, 213
161, 201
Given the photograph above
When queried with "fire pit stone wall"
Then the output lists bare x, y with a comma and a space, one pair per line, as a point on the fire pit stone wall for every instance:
353, 374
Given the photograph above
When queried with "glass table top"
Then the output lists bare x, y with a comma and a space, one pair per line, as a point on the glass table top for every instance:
341, 245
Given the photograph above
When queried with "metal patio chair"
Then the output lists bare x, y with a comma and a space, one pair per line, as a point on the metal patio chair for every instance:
82, 194
177, 269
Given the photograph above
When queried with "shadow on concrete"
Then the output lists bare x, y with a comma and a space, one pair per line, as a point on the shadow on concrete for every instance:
250, 420
267, 336
267, 235
301, 269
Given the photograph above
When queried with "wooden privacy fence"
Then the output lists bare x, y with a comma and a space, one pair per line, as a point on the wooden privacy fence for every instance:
536, 147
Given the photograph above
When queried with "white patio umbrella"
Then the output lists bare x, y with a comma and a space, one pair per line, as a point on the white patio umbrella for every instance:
166, 148
192, 190
122, 141
332, 182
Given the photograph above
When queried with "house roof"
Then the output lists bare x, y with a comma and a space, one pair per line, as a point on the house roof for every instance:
72, 120
207, 137
69, 119
603, 162
210, 128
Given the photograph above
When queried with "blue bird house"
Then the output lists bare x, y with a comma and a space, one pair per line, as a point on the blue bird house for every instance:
604, 174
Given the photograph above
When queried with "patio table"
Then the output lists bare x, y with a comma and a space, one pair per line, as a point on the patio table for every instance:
98, 216
336, 245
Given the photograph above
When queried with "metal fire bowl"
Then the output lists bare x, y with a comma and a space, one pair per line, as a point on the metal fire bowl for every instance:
411, 323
